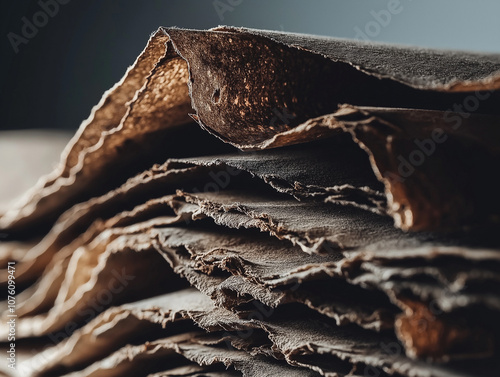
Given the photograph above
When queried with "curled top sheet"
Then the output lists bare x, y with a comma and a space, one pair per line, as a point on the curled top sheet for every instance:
407, 109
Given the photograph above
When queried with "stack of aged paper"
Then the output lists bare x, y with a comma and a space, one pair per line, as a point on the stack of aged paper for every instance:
256, 203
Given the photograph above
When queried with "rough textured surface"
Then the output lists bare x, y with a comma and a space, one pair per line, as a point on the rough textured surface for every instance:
300, 342
430, 69
232, 97
154, 248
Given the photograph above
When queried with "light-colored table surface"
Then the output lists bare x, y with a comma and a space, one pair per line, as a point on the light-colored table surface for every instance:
25, 156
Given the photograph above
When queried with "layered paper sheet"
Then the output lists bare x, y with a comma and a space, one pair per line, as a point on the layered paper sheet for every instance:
256, 203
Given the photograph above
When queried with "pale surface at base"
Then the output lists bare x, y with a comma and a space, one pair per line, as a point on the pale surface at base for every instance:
24, 157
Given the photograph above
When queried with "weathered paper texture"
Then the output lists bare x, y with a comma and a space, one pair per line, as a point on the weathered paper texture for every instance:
311, 77
303, 342
258, 203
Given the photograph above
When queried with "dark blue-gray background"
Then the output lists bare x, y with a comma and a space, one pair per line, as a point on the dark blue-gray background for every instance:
86, 45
